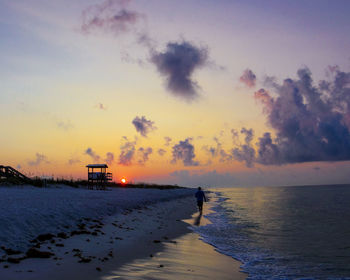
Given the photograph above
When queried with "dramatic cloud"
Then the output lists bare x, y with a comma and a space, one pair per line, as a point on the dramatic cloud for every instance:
248, 78
177, 64
127, 152
109, 16
92, 154
270, 82
312, 123
167, 140
225, 157
249, 134
109, 158
161, 152
235, 136
245, 152
213, 151
143, 126
217, 151
264, 97
184, 151
39, 158
144, 154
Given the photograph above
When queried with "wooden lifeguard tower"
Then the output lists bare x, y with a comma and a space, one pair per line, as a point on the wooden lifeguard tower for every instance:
98, 176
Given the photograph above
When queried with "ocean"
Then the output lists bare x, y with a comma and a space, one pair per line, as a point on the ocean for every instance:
300, 232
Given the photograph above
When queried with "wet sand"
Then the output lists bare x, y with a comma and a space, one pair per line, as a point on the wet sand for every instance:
186, 257
147, 243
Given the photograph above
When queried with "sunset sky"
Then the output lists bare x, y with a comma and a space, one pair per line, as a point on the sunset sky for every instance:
189, 92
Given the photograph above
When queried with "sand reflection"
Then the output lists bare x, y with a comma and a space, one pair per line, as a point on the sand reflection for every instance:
187, 259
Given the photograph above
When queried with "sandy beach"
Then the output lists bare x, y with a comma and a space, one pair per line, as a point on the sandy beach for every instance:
185, 257
149, 242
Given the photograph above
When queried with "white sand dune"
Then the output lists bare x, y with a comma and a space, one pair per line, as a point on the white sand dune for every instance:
26, 212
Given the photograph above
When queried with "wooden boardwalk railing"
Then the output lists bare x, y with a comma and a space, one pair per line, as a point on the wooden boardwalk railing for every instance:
9, 172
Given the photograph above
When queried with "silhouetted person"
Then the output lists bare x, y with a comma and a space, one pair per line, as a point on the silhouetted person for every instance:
200, 198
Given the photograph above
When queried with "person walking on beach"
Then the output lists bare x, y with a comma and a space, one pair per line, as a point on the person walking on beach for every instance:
200, 198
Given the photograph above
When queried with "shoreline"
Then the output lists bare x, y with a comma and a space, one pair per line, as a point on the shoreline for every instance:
186, 257
135, 235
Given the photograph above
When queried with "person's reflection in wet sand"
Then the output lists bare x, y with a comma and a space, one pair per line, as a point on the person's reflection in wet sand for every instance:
197, 220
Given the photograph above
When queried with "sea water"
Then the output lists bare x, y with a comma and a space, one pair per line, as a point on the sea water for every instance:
283, 232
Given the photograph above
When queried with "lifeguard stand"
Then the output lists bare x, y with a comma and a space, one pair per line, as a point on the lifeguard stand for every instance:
98, 178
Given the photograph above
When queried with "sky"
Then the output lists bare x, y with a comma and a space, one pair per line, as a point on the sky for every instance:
187, 92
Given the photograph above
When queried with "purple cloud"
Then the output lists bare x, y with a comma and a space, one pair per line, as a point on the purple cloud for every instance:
92, 154
248, 78
264, 97
235, 136
213, 151
245, 152
109, 158
161, 152
144, 153
109, 16
39, 158
184, 151
177, 64
143, 126
167, 140
312, 122
224, 156
127, 152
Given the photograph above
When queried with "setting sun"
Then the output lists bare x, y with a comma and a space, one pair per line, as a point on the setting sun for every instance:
123, 181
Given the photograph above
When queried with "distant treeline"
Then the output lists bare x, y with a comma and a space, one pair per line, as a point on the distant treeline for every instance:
41, 183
